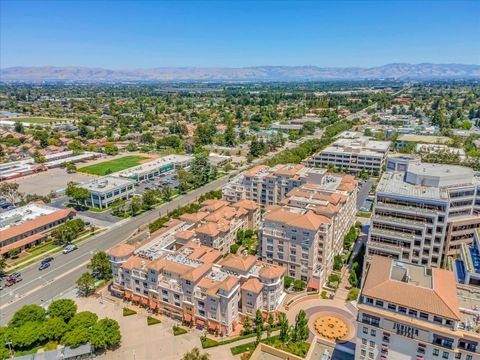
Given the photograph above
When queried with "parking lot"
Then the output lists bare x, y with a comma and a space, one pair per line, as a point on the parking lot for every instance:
169, 178
52, 180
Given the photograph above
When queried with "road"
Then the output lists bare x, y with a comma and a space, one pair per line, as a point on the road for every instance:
40, 286
363, 192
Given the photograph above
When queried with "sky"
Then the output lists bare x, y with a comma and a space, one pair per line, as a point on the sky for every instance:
148, 34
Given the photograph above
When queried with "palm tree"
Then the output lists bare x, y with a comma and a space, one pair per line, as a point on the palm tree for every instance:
195, 355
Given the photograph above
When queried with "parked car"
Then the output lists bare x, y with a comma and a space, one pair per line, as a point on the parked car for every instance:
69, 248
16, 274
43, 266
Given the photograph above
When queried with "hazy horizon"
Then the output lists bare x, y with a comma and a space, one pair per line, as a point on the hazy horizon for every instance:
213, 34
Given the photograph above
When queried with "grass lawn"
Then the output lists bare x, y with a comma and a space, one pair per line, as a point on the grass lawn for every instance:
38, 120
114, 165
152, 321
128, 312
177, 330
299, 348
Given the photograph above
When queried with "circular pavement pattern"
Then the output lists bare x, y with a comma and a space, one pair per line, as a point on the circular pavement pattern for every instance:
331, 327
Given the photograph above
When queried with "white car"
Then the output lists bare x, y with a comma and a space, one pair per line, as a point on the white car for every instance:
69, 248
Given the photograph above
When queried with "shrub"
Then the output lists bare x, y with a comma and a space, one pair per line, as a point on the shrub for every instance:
353, 294
234, 248
324, 295
128, 312
177, 330
287, 282
152, 321
299, 285
333, 278
333, 284
208, 343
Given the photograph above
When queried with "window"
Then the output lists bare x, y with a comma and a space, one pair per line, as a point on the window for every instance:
369, 301
372, 343
363, 352
445, 355
379, 303
423, 316
402, 310
370, 355
412, 313
364, 341
373, 332
392, 307
365, 330
435, 352
469, 357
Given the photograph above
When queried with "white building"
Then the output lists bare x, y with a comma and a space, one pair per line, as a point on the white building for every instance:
105, 190
425, 213
353, 155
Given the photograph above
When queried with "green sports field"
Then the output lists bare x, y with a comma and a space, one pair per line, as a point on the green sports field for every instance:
114, 165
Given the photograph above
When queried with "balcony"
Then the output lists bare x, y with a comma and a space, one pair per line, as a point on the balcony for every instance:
400, 220
395, 234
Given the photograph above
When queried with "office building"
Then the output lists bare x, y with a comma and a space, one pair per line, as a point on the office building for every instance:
107, 189
425, 213
355, 155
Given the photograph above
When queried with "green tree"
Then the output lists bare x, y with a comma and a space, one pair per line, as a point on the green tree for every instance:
85, 284
83, 319
105, 334
184, 180
195, 354
76, 337
247, 325
259, 320
167, 192
298, 285
99, 263
64, 309
200, 169
53, 329
301, 326
287, 282
258, 331
352, 279
337, 262
132, 147
149, 199
26, 335
28, 313
283, 327
110, 149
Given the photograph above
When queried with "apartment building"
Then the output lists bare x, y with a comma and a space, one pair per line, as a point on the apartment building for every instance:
217, 223
306, 232
409, 311
356, 155
425, 213
193, 283
268, 186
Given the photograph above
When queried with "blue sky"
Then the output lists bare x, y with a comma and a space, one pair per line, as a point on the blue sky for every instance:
145, 34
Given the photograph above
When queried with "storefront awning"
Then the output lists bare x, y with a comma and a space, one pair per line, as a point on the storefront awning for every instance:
264, 316
188, 317
200, 322
128, 294
223, 329
136, 298
153, 305
212, 326
313, 284
144, 301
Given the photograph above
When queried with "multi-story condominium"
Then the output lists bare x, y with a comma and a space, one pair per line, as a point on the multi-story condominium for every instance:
217, 222
424, 214
261, 283
409, 311
105, 190
356, 155
194, 283
28, 225
269, 186
307, 232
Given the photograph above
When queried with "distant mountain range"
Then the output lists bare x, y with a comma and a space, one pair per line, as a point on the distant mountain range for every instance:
256, 73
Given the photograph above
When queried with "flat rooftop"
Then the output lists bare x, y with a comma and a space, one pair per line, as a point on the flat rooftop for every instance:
153, 165
24, 214
428, 139
105, 183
